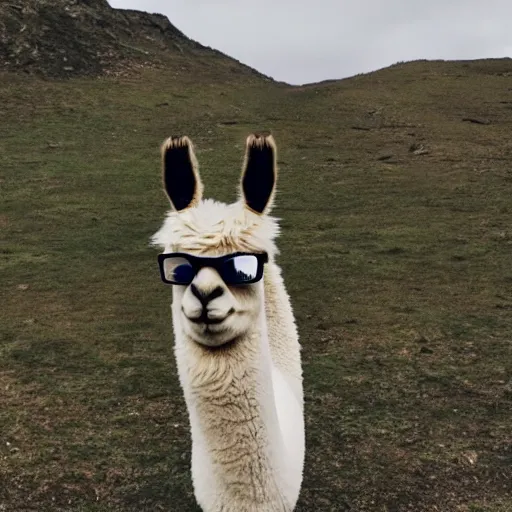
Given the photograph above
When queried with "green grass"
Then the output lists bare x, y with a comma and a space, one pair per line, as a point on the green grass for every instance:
399, 272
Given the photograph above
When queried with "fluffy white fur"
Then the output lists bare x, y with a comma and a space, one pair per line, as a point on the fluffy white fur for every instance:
241, 378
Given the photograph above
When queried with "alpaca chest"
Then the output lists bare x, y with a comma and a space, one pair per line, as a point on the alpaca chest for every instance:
256, 465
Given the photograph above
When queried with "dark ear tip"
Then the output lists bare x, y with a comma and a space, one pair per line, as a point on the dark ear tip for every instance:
174, 142
261, 141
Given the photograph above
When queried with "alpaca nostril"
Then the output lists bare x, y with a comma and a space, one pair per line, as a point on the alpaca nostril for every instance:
205, 297
196, 293
217, 292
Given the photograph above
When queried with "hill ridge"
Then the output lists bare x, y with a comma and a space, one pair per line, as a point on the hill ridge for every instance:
67, 38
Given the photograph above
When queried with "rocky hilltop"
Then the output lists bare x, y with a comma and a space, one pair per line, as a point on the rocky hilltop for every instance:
65, 38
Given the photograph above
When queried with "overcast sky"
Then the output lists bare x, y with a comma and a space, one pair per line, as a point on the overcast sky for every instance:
301, 41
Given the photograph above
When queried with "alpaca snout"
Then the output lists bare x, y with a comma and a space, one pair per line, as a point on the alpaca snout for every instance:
208, 303
203, 296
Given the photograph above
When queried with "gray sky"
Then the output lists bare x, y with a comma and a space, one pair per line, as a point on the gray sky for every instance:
301, 41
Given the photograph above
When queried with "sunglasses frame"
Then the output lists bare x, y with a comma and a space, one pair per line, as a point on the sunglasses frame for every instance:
199, 262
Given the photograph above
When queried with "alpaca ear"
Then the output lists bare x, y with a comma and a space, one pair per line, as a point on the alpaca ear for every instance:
259, 173
180, 173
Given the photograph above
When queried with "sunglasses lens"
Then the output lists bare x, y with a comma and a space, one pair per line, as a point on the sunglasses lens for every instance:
178, 270
240, 269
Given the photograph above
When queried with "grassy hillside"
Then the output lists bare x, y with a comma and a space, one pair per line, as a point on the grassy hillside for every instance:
395, 198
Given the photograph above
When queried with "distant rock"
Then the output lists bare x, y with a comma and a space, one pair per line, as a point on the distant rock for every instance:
67, 38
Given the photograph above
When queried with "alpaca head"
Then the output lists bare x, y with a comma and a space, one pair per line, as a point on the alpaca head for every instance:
214, 253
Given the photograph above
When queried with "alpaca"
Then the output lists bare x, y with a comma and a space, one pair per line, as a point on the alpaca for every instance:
236, 341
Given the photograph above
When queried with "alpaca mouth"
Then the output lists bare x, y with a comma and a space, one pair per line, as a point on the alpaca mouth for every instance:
204, 319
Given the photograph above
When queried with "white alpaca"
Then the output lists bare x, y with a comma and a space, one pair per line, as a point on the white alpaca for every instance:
236, 342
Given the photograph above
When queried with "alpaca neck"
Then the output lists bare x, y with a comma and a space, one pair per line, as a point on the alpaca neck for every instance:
282, 331
238, 450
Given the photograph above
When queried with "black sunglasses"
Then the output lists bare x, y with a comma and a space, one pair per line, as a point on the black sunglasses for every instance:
234, 269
